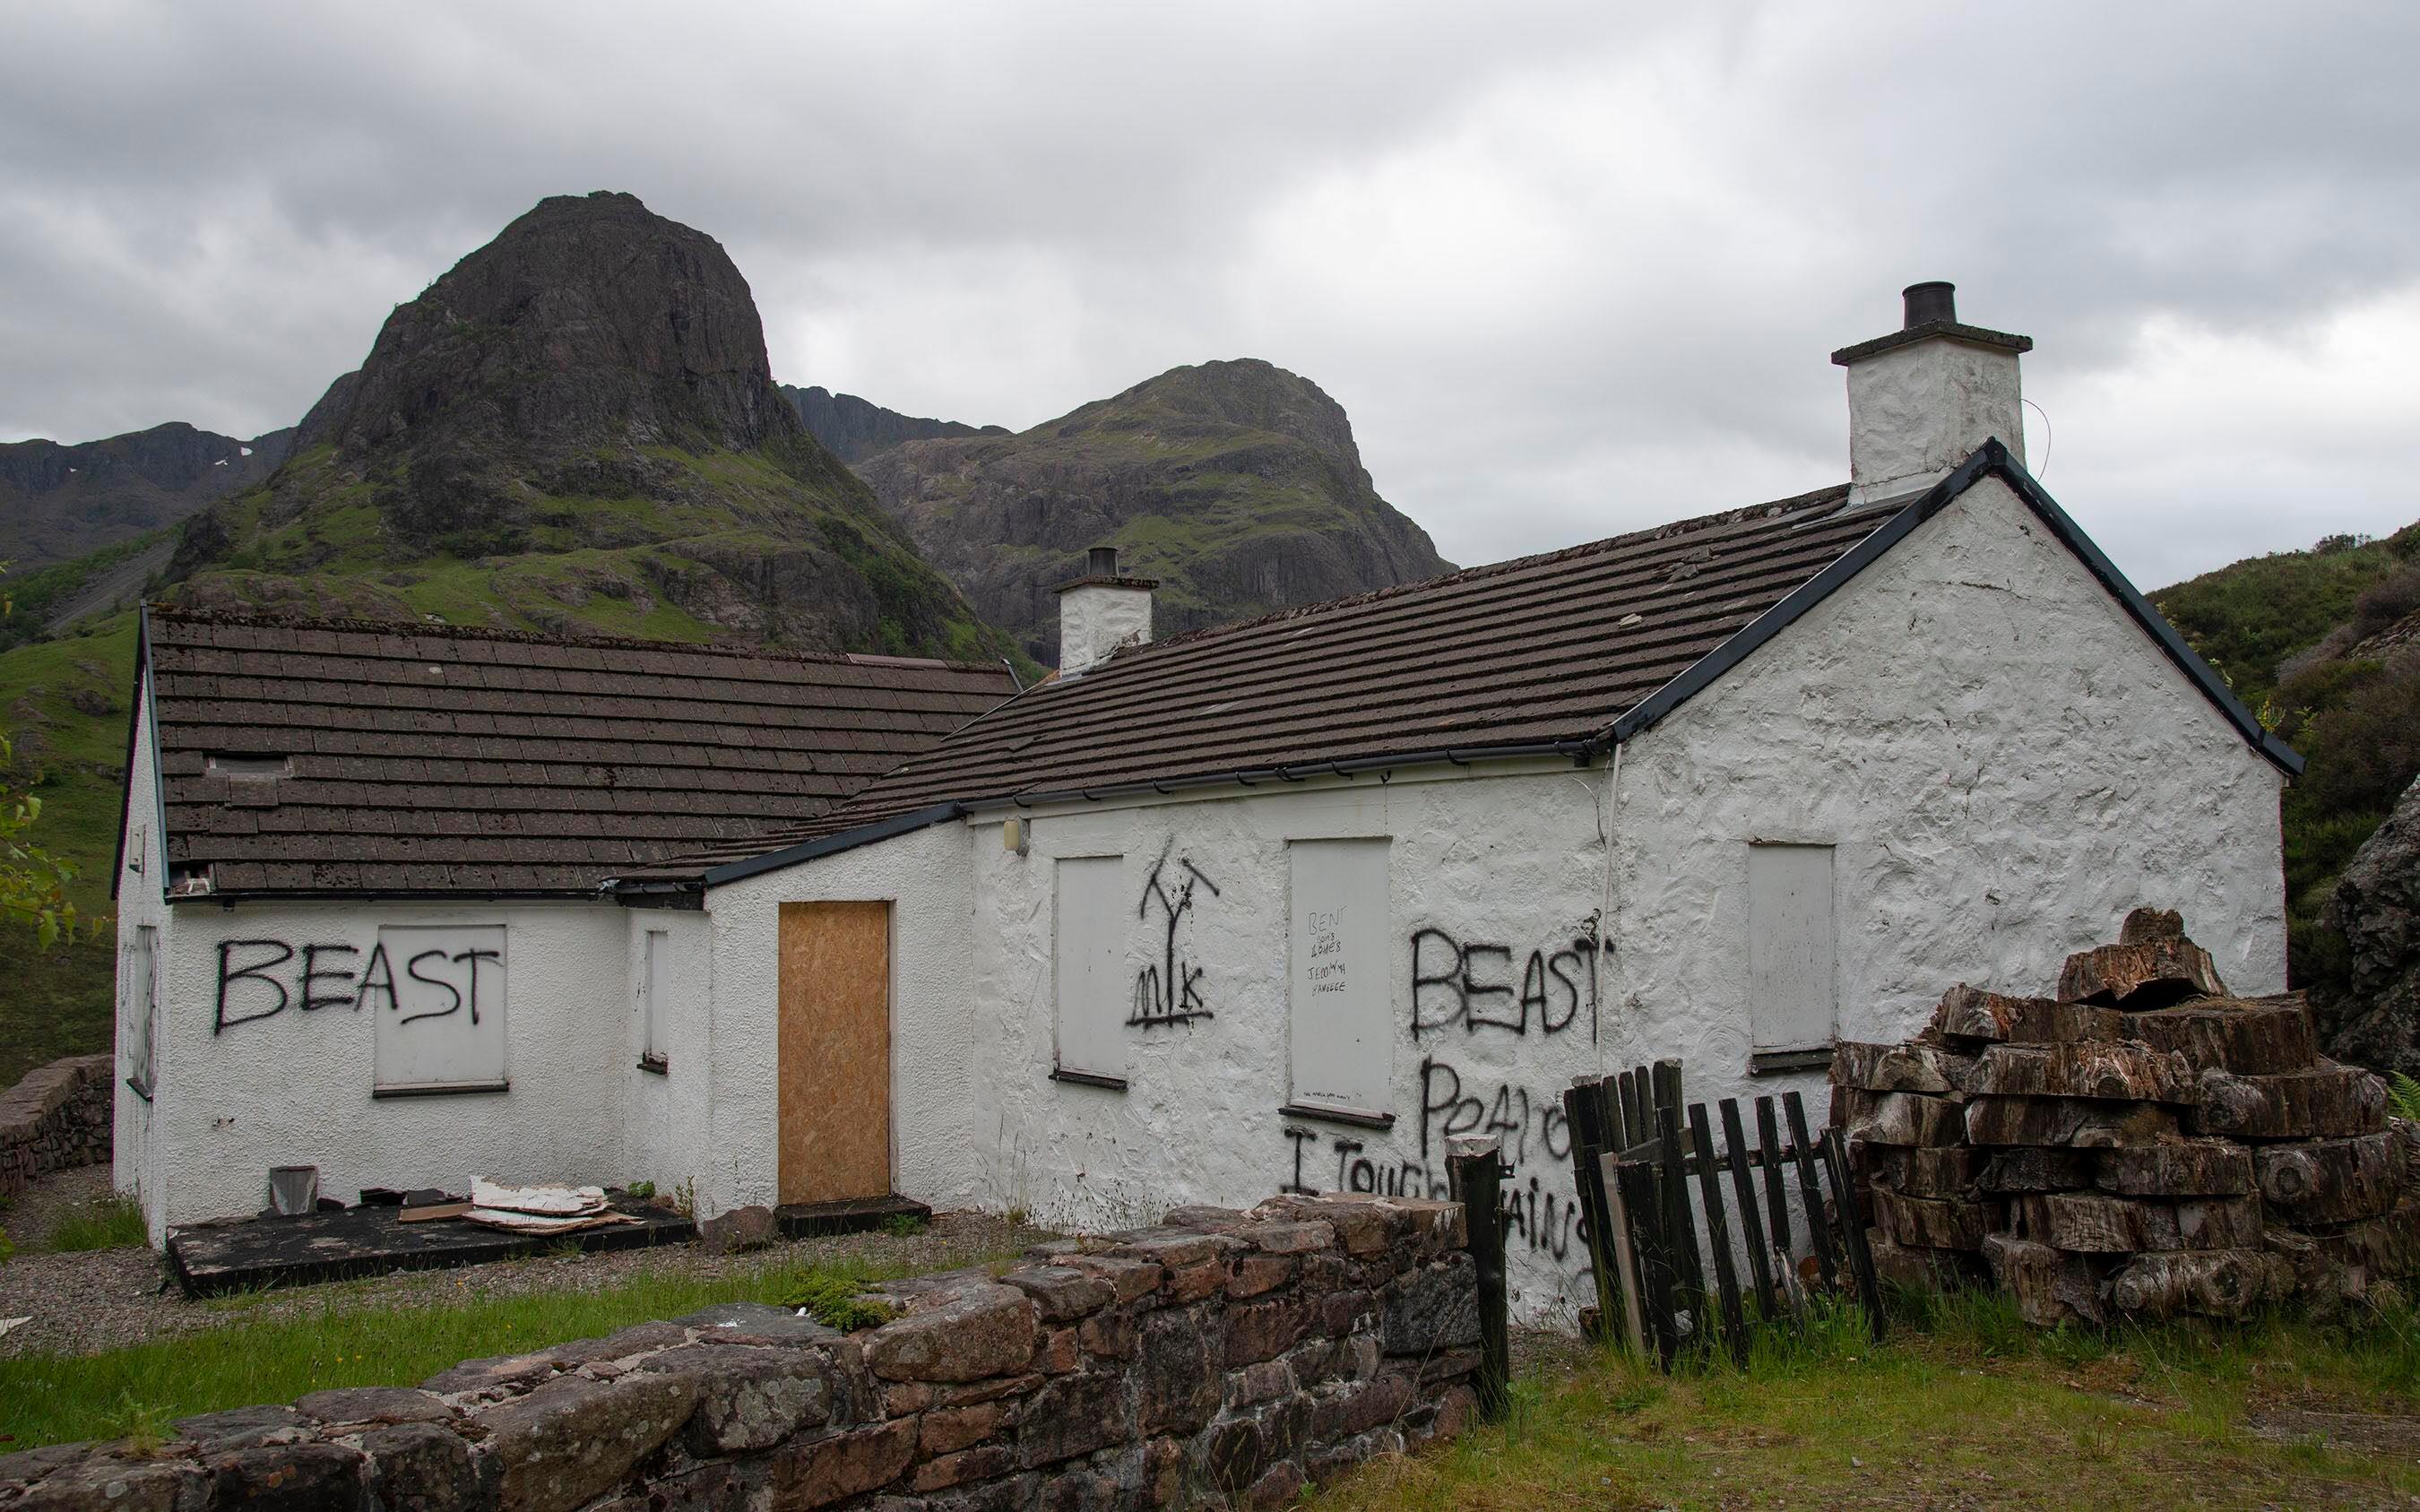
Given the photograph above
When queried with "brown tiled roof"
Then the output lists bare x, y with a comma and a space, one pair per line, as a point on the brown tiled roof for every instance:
1533, 652
434, 760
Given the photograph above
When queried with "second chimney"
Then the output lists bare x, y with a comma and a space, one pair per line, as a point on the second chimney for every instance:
1100, 612
1924, 397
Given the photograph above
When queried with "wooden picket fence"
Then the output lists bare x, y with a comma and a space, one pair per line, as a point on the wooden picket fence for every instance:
1635, 1153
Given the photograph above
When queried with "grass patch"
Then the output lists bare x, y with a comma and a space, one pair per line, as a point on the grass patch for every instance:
116, 1222
343, 1342
1963, 1405
830, 1297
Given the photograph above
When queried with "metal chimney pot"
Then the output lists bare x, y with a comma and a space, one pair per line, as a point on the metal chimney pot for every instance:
1101, 561
1928, 302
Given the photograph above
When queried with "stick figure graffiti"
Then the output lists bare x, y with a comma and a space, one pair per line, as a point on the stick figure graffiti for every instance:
1169, 992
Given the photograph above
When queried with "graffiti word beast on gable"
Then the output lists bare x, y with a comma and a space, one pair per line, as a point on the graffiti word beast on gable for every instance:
261, 978
1471, 985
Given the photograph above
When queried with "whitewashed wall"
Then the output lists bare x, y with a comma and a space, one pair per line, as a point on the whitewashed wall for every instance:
667, 1117
2003, 762
135, 1154
295, 1088
944, 1038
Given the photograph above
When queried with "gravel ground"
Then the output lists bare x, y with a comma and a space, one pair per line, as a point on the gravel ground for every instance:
86, 1302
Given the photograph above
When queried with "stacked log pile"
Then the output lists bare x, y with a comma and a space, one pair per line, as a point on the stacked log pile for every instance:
2140, 1144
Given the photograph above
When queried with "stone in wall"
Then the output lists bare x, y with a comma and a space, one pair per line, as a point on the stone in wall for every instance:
56, 1117
1221, 1358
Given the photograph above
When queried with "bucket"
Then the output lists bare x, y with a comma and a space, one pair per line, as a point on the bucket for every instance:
293, 1190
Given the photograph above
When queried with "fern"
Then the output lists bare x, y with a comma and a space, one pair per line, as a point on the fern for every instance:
2402, 1096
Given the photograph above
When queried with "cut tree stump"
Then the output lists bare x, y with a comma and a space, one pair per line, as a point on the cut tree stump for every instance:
2049, 1287
2068, 1121
2179, 1169
1906, 1265
1897, 1068
2153, 973
1971, 1014
2034, 1168
1918, 1172
2115, 1071
1927, 1222
2093, 1223
1897, 1117
2248, 1036
2331, 1181
2386, 1248
2331, 1103
2218, 1283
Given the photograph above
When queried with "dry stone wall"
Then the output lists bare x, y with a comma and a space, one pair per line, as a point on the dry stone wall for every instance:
57, 1116
1221, 1358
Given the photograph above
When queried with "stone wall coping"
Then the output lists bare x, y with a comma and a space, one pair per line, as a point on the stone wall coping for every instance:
1219, 1357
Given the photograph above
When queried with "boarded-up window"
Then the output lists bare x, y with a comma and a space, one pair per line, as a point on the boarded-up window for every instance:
1337, 970
654, 992
439, 995
1089, 950
142, 1006
1793, 991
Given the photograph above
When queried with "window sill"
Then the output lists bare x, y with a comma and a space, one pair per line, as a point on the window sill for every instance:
656, 1065
441, 1089
1088, 1078
1356, 1116
1781, 1062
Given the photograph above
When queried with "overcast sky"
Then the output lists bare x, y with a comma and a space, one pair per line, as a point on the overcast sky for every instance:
1572, 269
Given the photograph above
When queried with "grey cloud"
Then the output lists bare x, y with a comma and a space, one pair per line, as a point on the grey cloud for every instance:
1573, 269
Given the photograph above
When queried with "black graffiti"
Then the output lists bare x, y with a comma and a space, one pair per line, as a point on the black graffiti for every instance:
258, 971
1472, 984
1169, 991
1548, 1222
313, 976
1519, 1123
247, 981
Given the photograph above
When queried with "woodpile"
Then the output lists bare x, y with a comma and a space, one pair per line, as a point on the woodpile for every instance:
2140, 1144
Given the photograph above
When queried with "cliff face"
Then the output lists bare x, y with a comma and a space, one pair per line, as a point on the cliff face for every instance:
854, 429
576, 427
1237, 484
60, 502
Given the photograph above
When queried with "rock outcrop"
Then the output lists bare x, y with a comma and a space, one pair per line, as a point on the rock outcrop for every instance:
575, 428
2375, 1019
1237, 484
854, 429
60, 502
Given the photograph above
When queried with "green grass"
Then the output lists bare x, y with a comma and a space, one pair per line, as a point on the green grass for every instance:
115, 1222
53, 1400
1963, 1405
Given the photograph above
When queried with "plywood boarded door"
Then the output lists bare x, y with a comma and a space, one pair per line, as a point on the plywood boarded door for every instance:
836, 1051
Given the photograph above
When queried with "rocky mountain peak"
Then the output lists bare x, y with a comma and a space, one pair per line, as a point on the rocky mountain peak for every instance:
588, 320
1215, 399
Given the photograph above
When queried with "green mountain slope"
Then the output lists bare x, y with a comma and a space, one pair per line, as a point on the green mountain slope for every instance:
1237, 484
2324, 645
575, 428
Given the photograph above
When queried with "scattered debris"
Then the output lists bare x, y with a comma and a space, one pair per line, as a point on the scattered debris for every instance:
540, 1210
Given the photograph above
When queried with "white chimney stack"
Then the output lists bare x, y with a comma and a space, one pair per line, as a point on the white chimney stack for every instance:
1924, 397
1101, 611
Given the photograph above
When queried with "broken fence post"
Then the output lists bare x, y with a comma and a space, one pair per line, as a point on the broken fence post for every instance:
1477, 1175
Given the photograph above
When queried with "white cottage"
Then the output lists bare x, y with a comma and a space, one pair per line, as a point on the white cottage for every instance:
1289, 902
